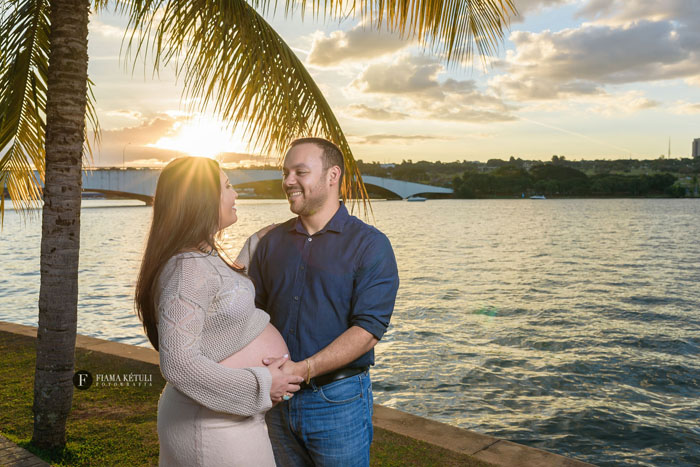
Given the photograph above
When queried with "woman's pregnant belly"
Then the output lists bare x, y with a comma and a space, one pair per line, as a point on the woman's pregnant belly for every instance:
268, 344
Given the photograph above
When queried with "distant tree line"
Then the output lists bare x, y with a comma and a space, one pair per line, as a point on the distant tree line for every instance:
559, 177
553, 180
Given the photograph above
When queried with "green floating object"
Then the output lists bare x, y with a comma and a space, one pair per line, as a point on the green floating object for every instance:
487, 310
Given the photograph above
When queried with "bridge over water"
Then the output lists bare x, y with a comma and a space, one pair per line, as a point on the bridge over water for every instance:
141, 183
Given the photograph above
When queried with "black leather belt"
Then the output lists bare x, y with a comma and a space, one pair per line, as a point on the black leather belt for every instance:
333, 376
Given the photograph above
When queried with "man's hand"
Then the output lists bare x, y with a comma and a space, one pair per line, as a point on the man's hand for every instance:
290, 367
347, 347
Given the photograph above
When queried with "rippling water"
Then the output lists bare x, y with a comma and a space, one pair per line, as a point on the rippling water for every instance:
568, 325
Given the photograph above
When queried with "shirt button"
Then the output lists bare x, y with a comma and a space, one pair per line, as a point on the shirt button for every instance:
291, 331
296, 297
301, 267
309, 238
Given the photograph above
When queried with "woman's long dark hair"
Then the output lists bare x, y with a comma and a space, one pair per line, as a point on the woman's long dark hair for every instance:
185, 214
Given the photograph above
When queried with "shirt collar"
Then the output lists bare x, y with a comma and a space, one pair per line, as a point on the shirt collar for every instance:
336, 223
338, 220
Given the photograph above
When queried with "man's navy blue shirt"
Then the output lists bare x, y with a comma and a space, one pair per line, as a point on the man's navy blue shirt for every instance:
315, 287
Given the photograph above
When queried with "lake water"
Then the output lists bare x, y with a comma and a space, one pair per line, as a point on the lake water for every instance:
568, 325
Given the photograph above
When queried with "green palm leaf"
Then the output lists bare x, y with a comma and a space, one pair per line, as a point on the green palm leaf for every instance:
24, 61
451, 28
231, 60
24, 45
92, 123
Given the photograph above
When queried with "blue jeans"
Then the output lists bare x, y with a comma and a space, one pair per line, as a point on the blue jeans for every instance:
324, 426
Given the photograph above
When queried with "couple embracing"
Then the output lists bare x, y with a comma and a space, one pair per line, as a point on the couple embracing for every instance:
266, 357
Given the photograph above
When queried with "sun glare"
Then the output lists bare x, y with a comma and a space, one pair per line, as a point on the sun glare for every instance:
203, 136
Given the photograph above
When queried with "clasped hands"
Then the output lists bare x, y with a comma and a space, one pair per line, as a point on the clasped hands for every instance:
286, 377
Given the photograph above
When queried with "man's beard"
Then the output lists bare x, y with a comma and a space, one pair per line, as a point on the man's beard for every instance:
309, 206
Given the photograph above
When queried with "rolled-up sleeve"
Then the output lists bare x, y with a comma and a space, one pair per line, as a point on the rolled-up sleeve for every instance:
376, 285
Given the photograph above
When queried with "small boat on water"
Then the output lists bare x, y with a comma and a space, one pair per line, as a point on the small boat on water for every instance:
537, 197
416, 198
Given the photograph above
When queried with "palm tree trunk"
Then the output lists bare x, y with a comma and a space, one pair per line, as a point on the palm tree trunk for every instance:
60, 241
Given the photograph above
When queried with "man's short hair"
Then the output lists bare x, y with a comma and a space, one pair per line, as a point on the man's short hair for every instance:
331, 153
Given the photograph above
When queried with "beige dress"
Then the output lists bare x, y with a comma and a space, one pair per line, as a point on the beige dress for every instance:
193, 435
208, 414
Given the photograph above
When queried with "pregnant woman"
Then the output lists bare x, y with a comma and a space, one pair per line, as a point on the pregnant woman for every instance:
198, 311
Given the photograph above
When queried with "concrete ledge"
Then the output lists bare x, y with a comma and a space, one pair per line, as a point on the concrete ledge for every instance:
133, 352
443, 435
483, 447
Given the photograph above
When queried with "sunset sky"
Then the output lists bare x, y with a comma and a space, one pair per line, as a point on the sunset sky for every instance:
584, 79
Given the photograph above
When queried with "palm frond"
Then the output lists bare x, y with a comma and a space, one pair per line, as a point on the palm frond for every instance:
92, 123
231, 60
24, 60
24, 45
451, 28
100, 5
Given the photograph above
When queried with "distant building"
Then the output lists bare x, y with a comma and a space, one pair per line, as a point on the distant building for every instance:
696, 147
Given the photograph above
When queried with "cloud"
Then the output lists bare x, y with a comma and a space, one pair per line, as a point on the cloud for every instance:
683, 16
103, 29
359, 43
414, 85
152, 162
618, 105
374, 113
388, 138
148, 131
686, 108
525, 7
131, 143
156, 157
408, 74
462, 113
582, 61
240, 158
131, 114
620, 12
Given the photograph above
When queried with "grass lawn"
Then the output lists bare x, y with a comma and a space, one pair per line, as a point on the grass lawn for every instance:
116, 425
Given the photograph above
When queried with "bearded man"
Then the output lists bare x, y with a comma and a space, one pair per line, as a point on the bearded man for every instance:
329, 282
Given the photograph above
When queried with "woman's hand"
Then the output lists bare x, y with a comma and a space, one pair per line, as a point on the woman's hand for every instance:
282, 383
261, 233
